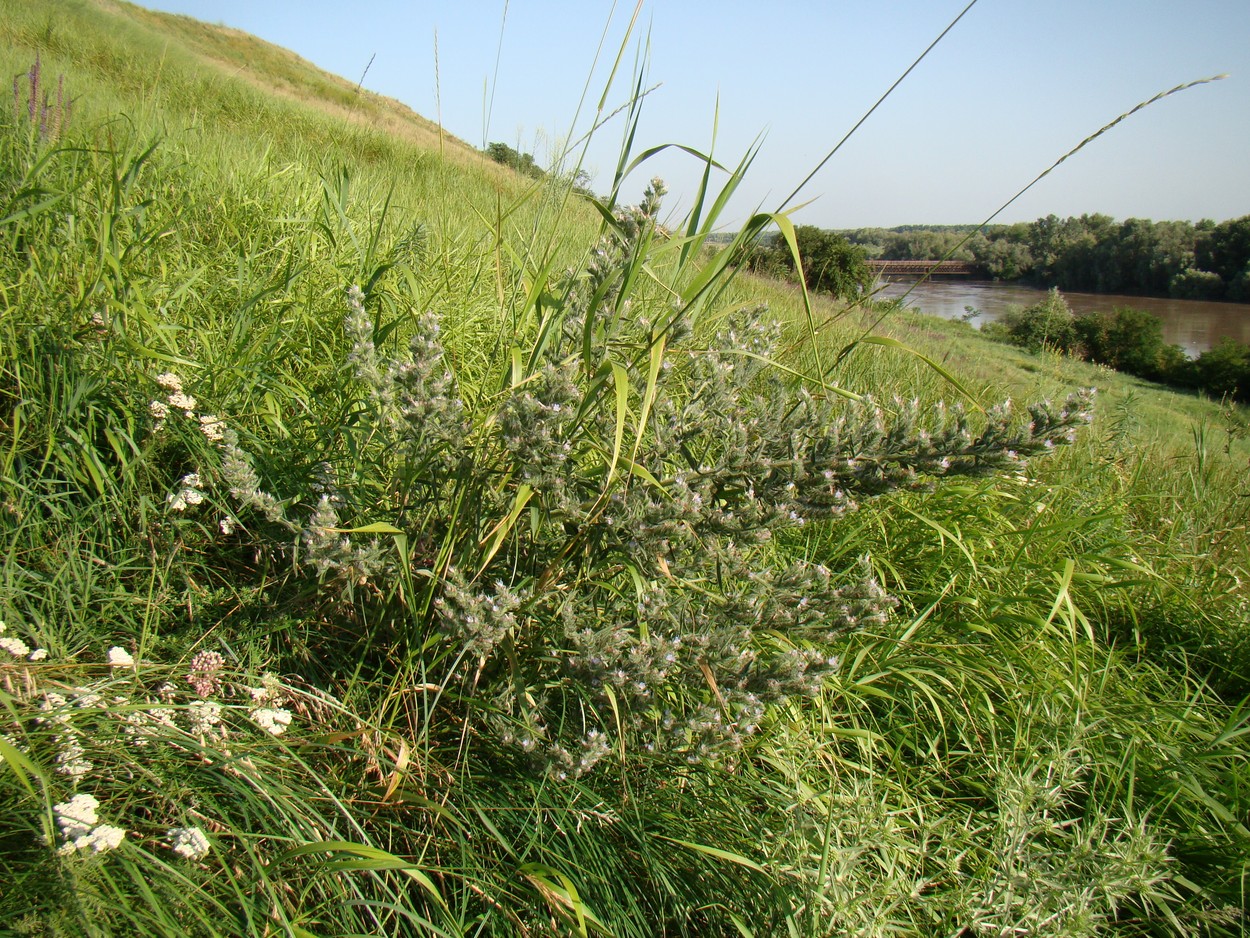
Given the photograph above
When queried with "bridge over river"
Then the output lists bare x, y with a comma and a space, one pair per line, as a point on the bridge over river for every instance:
920, 268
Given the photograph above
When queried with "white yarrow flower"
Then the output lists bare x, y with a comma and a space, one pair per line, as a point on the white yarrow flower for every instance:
273, 720
169, 381
103, 838
15, 647
72, 759
203, 715
119, 657
212, 427
182, 402
37, 655
188, 495
189, 842
76, 816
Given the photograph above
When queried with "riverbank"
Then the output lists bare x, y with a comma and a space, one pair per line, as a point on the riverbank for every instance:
1194, 325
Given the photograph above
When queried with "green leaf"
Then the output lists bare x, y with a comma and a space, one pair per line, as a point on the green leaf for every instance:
717, 852
367, 858
21, 765
621, 379
523, 494
378, 527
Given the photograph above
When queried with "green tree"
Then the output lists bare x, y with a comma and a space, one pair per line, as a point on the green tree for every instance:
830, 262
1194, 284
1225, 248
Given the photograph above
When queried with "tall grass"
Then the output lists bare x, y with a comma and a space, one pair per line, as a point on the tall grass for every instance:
360, 585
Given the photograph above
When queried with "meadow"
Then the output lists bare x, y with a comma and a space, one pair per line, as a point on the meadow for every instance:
396, 546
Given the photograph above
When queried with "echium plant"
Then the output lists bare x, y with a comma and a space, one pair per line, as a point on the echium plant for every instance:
599, 566
641, 595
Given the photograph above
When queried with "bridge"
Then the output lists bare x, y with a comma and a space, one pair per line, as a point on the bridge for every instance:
920, 268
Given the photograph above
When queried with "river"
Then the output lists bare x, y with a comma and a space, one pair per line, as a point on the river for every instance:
1194, 325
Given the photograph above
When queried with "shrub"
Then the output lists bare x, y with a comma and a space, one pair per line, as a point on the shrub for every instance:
1224, 371
1048, 324
1126, 339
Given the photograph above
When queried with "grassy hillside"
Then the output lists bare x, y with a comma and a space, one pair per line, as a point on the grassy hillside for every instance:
394, 546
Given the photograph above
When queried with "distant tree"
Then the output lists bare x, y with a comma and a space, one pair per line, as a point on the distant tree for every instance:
523, 163
1003, 258
830, 262
1195, 284
1239, 287
1225, 248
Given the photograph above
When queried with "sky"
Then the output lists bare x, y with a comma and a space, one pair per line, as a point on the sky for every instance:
1013, 86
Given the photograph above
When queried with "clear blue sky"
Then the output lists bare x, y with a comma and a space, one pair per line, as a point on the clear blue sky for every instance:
1012, 87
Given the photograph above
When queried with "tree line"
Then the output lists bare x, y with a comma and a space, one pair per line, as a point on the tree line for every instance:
1090, 253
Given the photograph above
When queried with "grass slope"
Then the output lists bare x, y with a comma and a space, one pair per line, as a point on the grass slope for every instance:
325, 595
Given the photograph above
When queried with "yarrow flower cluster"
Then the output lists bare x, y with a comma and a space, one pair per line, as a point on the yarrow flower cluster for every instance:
14, 646
118, 657
17, 648
273, 720
190, 843
80, 830
71, 756
176, 398
77, 725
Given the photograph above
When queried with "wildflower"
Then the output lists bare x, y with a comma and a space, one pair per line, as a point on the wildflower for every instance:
270, 691
189, 495
104, 838
226, 524
160, 410
169, 381
183, 402
52, 704
243, 481
76, 816
72, 759
272, 720
203, 716
101, 839
118, 657
203, 676
188, 842
39, 654
15, 647
213, 427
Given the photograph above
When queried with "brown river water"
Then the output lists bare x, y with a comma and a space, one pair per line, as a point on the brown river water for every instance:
1194, 325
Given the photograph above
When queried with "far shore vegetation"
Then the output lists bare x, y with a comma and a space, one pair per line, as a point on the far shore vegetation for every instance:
1091, 253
